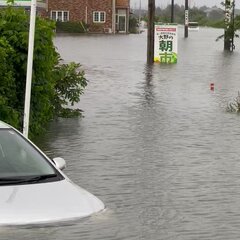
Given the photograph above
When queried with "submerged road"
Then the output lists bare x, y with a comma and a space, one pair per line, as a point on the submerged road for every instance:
155, 144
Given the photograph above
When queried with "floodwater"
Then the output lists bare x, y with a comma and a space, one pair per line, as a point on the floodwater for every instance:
155, 144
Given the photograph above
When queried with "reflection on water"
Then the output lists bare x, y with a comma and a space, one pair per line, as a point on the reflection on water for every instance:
156, 145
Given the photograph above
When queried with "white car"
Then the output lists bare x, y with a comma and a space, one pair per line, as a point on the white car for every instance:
33, 189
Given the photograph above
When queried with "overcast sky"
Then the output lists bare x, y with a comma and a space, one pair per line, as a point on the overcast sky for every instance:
197, 3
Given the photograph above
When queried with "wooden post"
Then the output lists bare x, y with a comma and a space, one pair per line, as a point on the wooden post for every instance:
172, 12
186, 19
150, 41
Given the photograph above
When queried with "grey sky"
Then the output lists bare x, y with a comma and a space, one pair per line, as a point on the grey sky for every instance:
163, 3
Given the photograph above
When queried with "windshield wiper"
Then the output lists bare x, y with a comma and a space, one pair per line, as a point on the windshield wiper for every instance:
36, 179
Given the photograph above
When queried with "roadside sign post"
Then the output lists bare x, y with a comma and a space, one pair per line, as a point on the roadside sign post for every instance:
166, 43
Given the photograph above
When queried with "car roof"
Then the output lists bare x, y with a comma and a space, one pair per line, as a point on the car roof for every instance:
4, 125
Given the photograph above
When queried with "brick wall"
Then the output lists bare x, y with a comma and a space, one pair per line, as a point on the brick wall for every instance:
82, 10
122, 3
78, 9
75, 7
100, 5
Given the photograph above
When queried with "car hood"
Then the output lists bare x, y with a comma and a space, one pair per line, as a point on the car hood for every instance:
46, 203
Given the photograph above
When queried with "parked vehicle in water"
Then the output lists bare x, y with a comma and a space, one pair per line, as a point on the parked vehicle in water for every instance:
33, 189
193, 26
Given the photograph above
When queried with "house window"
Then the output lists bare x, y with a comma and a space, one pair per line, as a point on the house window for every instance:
62, 16
99, 17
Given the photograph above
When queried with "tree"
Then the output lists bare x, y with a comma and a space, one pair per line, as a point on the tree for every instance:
196, 15
216, 15
7, 87
48, 72
230, 28
134, 24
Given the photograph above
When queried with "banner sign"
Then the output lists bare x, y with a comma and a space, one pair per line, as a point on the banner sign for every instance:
186, 17
24, 3
165, 46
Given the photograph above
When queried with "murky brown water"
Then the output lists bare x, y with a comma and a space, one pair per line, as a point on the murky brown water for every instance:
156, 145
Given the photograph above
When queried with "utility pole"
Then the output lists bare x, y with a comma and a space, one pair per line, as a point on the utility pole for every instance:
172, 12
150, 41
229, 22
186, 19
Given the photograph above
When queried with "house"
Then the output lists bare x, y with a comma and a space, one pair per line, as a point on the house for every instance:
101, 16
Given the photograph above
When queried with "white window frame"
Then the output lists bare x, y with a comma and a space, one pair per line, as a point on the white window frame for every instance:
99, 15
62, 13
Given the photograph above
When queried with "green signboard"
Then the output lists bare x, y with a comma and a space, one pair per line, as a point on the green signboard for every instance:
24, 3
165, 47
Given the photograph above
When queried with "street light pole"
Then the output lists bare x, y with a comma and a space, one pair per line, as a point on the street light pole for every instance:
29, 68
150, 41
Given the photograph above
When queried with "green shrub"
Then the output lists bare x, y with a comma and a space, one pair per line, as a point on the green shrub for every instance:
133, 24
48, 73
234, 105
7, 87
69, 86
71, 27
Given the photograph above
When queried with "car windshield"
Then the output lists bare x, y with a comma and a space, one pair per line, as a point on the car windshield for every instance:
19, 160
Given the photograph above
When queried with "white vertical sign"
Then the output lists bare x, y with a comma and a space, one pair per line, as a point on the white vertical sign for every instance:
186, 17
166, 43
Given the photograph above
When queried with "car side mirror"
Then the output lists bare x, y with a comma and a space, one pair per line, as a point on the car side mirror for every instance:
59, 162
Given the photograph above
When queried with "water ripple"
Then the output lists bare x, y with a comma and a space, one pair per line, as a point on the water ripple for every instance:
155, 144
